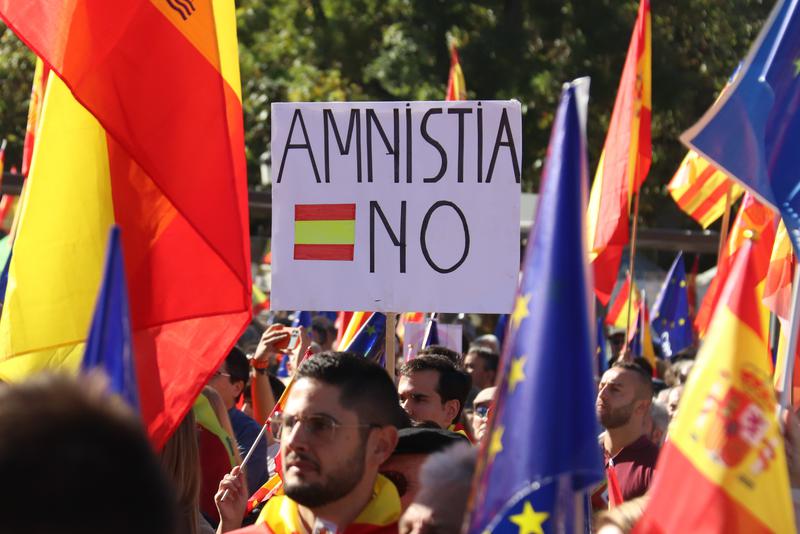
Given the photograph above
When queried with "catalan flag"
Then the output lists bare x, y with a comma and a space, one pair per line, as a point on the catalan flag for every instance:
701, 190
541, 454
156, 139
624, 162
324, 231
755, 222
456, 86
725, 443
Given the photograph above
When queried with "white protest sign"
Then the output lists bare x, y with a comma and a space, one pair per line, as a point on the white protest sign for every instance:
396, 206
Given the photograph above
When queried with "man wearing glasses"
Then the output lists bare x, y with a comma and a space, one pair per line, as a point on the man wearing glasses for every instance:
339, 425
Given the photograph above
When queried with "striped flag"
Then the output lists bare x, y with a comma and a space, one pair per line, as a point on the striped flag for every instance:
617, 315
624, 162
156, 139
324, 231
456, 86
725, 442
40, 75
700, 189
754, 221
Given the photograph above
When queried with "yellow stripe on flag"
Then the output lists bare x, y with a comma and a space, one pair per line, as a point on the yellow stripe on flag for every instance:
58, 255
324, 232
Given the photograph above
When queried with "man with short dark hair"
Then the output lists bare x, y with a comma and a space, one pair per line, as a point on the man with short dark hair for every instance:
74, 459
432, 388
623, 403
414, 446
229, 381
338, 426
481, 363
441, 350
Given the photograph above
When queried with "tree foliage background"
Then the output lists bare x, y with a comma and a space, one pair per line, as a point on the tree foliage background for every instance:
321, 50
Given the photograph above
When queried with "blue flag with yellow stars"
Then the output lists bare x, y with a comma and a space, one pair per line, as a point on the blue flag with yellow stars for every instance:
370, 340
671, 312
542, 453
108, 347
752, 132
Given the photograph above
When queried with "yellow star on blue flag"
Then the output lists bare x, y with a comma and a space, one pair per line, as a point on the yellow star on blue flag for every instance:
542, 456
370, 340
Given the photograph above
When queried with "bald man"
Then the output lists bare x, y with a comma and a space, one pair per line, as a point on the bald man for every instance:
623, 405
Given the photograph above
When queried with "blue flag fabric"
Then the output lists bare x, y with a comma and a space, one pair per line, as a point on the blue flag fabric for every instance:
302, 318
542, 452
431, 333
4, 277
283, 367
602, 353
753, 130
671, 312
109, 344
370, 340
500, 329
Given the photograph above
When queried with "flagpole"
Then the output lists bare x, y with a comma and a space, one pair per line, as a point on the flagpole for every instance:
391, 326
726, 217
631, 263
791, 349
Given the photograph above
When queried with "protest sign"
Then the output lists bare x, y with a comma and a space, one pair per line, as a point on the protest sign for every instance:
396, 206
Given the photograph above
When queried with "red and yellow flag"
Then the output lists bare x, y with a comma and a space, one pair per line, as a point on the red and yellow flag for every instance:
618, 312
624, 162
357, 320
757, 223
700, 189
456, 86
34, 112
725, 442
146, 132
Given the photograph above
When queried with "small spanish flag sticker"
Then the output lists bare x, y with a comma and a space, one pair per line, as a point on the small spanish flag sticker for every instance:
324, 231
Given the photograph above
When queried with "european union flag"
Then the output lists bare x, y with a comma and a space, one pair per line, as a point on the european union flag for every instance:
753, 130
302, 318
431, 336
370, 340
109, 344
671, 312
542, 450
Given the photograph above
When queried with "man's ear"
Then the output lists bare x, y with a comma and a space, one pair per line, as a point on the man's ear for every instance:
383, 442
451, 409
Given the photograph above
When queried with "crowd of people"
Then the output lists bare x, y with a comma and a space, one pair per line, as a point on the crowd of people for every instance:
338, 445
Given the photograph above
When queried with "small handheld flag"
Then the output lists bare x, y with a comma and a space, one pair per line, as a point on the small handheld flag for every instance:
671, 312
431, 333
370, 341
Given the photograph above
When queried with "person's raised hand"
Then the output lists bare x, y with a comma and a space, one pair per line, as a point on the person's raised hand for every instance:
231, 500
267, 345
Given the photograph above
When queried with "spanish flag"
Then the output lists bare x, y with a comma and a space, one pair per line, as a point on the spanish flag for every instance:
145, 132
757, 223
324, 232
456, 86
624, 162
40, 75
618, 312
700, 190
725, 443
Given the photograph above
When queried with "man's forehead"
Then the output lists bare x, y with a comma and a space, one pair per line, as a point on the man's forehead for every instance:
618, 376
307, 394
427, 378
